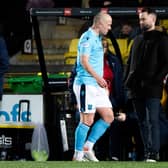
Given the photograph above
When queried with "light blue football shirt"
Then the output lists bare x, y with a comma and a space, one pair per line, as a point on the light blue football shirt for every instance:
90, 44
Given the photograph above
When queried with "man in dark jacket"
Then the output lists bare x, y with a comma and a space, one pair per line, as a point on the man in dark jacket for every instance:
147, 67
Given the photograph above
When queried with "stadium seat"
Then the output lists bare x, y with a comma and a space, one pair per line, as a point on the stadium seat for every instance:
70, 61
124, 48
72, 48
70, 56
164, 23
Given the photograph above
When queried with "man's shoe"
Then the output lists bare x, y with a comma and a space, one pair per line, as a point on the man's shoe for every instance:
80, 160
89, 155
114, 158
152, 157
150, 160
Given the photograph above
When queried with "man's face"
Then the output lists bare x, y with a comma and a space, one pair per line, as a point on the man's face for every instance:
126, 29
146, 21
105, 25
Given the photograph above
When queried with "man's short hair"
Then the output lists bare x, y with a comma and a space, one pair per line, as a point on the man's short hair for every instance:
151, 12
148, 10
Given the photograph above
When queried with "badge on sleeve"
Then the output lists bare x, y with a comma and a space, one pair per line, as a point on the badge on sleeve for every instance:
85, 44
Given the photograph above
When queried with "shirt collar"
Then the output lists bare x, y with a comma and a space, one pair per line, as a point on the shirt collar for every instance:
94, 34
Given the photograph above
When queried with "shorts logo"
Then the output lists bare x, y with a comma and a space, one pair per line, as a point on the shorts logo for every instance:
82, 93
89, 106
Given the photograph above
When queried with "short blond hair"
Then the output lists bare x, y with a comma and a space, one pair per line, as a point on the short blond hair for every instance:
101, 16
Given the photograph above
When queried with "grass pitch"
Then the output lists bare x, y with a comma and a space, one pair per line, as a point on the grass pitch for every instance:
70, 164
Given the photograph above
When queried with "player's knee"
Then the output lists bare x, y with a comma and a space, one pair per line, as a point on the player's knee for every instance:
88, 121
109, 117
